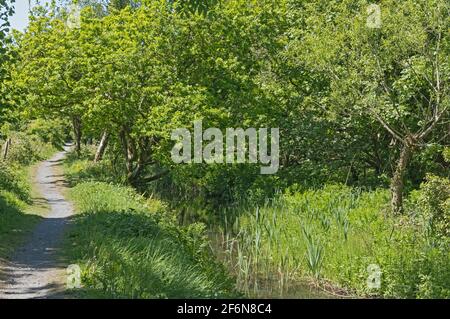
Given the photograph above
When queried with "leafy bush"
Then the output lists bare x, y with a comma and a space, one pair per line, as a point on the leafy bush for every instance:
48, 131
431, 205
26, 149
83, 168
13, 180
14, 197
435, 203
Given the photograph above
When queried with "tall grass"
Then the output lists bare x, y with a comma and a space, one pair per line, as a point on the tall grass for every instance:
15, 201
81, 168
131, 247
324, 238
332, 235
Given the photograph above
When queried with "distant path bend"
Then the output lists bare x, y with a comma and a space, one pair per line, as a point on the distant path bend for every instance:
35, 270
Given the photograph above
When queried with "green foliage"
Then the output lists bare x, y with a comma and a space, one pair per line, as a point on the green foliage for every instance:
435, 202
140, 71
81, 167
26, 149
334, 234
446, 154
15, 224
14, 200
346, 97
33, 140
6, 10
6, 55
130, 247
53, 132
431, 206
314, 254
12, 179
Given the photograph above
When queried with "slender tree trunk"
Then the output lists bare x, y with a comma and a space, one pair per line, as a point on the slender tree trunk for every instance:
6, 148
101, 147
76, 121
126, 151
397, 182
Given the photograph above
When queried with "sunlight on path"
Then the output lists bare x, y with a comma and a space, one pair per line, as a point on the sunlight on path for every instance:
35, 271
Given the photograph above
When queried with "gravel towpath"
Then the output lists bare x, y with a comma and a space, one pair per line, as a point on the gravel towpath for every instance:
35, 270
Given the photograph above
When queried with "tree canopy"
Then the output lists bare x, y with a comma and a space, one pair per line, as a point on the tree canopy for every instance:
354, 103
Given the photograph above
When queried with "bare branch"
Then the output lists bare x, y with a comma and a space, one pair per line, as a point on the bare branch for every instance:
395, 134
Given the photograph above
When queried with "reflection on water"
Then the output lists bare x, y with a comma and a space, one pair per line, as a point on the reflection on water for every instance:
267, 283
260, 286
291, 290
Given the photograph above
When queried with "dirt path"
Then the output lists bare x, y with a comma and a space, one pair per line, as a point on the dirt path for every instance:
35, 270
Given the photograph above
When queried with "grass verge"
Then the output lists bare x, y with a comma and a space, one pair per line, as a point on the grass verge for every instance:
21, 207
131, 247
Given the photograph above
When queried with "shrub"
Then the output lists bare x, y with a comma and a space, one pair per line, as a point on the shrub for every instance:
14, 195
26, 149
12, 180
434, 204
48, 131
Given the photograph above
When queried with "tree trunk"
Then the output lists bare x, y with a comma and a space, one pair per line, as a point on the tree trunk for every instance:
76, 121
126, 151
101, 147
397, 183
6, 148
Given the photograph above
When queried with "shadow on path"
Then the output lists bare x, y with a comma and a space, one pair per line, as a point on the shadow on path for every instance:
36, 270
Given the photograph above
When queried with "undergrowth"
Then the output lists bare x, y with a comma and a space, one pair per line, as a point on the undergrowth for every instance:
340, 235
131, 247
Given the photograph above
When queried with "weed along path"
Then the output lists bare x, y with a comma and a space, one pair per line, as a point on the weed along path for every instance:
35, 270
